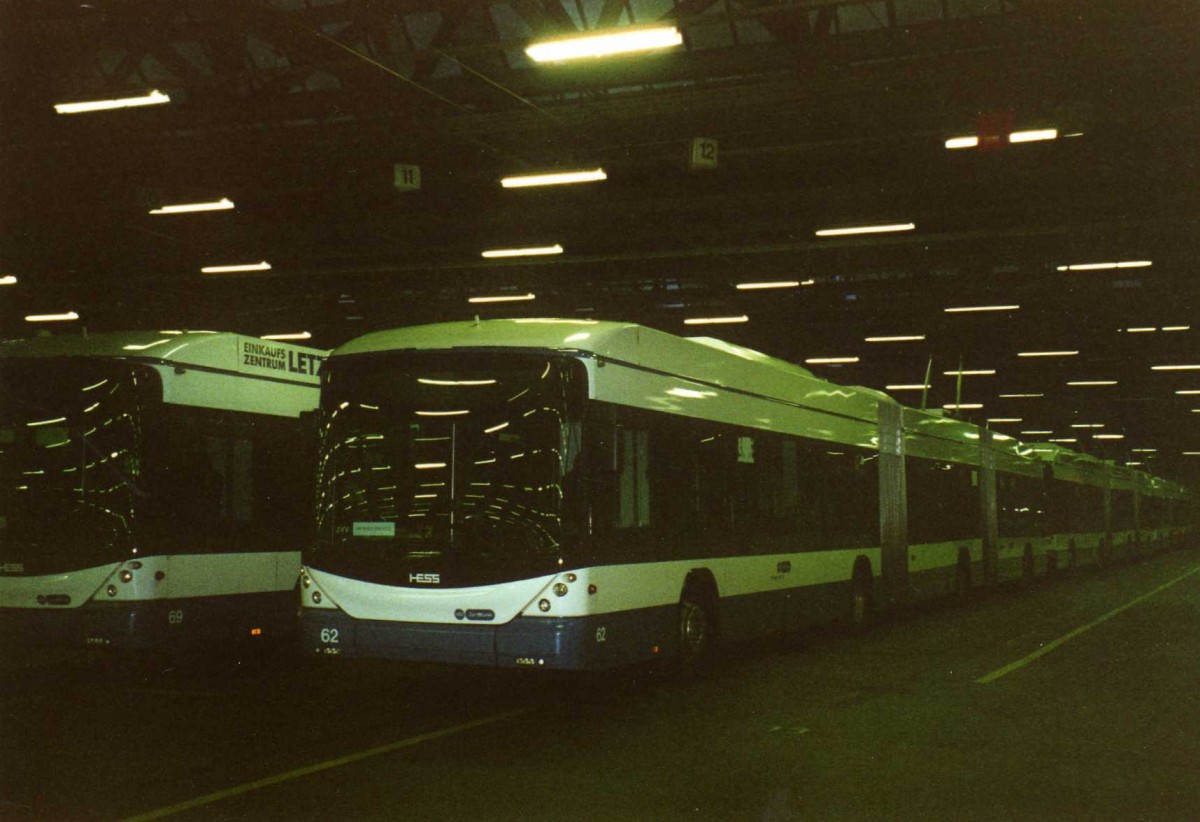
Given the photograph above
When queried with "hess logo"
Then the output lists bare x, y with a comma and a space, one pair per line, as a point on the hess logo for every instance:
425, 579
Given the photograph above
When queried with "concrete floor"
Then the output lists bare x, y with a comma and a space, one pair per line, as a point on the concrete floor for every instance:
892, 724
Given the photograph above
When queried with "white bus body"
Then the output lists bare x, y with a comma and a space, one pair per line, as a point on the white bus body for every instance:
152, 488
584, 494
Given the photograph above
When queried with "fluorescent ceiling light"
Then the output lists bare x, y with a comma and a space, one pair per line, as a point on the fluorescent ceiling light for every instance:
431, 381
554, 178
424, 465
901, 338
1188, 391
1133, 464
1108, 436
962, 142
229, 269
908, 387
297, 335
978, 372
1035, 433
776, 284
1020, 396
866, 229
966, 308
441, 413
830, 360
1027, 136
962, 406
503, 298
1087, 425
741, 318
223, 204
1033, 135
1063, 439
1175, 368
52, 318
1176, 328
1190, 453
604, 44
1092, 382
1144, 450
1106, 266
498, 427
151, 99
808, 282
531, 251
1141, 330
1005, 419
8, 280
1047, 353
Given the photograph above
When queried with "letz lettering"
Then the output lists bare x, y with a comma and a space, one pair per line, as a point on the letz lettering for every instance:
277, 358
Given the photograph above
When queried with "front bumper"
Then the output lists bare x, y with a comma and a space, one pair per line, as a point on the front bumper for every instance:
573, 643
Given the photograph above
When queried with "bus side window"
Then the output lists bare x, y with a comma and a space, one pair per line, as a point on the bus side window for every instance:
633, 462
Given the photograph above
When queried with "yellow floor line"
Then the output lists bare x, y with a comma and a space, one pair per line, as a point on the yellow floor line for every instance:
266, 782
1050, 646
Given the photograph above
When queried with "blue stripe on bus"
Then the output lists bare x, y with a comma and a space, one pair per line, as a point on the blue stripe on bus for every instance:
578, 643
143, 624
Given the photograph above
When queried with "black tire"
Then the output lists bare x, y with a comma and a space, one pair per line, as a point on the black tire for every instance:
697, 631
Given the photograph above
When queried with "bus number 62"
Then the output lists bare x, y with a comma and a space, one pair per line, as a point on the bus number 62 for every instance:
329, 636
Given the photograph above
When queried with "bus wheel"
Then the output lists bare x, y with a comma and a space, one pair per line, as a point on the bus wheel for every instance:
697, 630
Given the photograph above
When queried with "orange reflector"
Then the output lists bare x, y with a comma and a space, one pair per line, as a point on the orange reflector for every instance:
255, 631
654, 649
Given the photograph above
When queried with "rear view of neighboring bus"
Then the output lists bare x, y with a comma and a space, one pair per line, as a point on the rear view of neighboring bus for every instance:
149, 501
445, 505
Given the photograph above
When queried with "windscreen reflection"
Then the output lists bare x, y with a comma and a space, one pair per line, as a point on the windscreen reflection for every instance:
446, 464
69, 462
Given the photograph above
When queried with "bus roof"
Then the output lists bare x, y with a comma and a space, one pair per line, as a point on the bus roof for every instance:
220, 351
732, 367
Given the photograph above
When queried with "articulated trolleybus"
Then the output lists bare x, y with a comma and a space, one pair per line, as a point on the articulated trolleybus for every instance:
582, 494
153, 488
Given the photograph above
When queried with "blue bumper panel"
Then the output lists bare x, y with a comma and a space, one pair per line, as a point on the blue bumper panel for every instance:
576, 643
196, 621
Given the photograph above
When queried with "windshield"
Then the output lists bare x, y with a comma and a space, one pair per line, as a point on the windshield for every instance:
446, 464
69, 467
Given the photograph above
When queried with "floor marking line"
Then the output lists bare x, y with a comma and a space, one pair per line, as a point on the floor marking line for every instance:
265, 782
1050, 646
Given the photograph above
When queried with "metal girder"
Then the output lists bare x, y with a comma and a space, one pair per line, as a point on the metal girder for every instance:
546, 18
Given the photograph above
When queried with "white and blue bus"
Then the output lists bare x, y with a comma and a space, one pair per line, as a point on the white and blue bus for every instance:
153, 488
584, 494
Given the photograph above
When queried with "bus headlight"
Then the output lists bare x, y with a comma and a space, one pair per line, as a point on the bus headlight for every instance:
126, 576
560, 589
305, 580
543, 605
112, 590
316, 597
